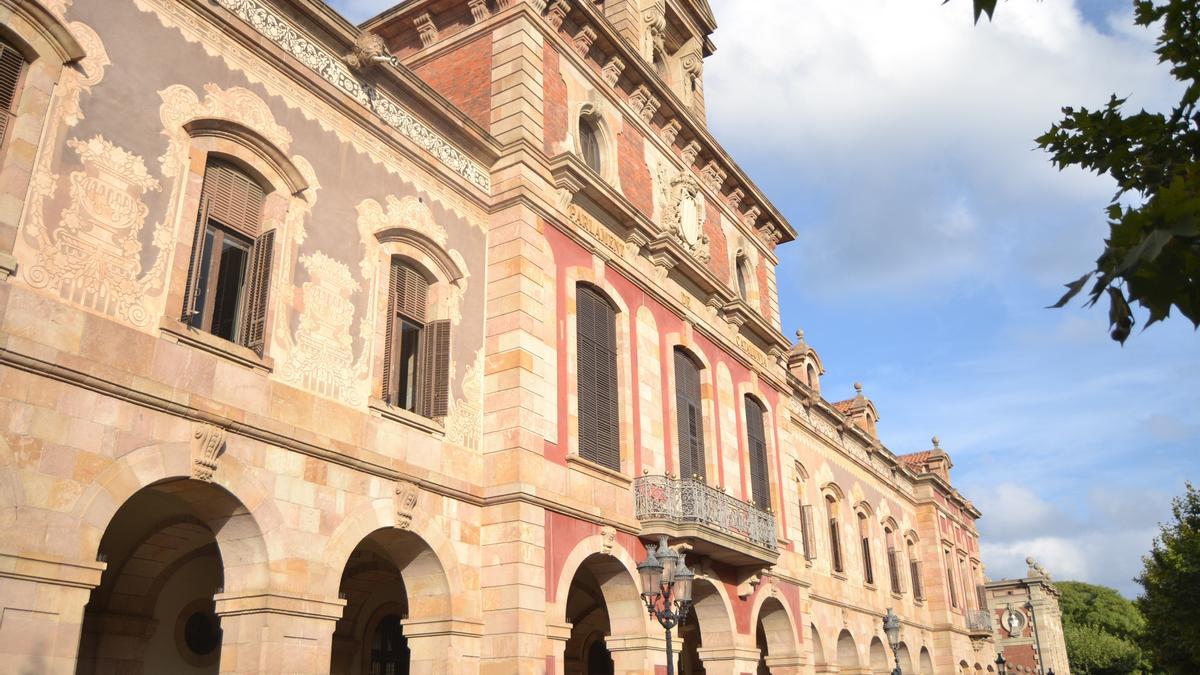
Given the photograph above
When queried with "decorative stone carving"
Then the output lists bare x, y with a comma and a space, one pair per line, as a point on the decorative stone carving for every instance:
464, 423
714, 176
557, 11
612, 70
321, 357
369, 50
479, 10
690, 152
406, 496
208, 443
669, 131
280, 31
426, 28
734, 199
644, 103
608, 537
750, 217
686, 213
583, 40
655, 20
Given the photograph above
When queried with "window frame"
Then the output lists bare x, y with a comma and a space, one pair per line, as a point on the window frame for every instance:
760, 489
606, 349
429, 385
696, 441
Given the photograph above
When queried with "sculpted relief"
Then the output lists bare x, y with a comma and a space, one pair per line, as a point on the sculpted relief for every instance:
683, 211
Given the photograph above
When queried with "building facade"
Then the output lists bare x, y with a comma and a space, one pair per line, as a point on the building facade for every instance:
390, 348
1029, 628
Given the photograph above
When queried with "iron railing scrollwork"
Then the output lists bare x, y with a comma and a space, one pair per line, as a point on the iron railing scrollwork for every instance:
979, 620
687, 500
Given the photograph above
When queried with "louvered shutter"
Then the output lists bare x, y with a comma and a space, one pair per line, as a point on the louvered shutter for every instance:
596, 348
191, 289
981, 596
868, 569
258, 293
760, 483
691, 420
235, 200
434, 378
395, 270
806, 532
893, 570
12, 67
950, 583
914, 570
835, 545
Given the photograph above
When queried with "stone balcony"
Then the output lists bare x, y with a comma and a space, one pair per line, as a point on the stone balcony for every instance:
715, 524
979, 622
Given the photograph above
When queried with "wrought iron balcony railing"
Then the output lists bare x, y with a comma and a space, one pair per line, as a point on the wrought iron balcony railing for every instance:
686, 500
979, 621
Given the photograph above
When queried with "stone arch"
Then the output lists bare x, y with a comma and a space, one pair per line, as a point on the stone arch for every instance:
779, 627
596, 114
926, 667
906, 662
879, 658
709, 633
818, 650
381, 514
616, 571
964, 668
847, 652
247, 531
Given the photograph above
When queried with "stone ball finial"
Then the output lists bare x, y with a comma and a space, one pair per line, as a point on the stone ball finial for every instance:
1030, 561
799, 335
858, 387
936, 442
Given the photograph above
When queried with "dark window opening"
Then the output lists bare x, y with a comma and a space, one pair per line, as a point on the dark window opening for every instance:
760, 483
589, 143
389, 648
201, 634
690, 418
743, 289
416, 357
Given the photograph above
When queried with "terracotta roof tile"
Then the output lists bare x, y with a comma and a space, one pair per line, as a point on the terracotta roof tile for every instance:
916, 458
844, 407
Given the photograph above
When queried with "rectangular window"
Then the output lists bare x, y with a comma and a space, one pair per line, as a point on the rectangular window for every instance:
953, 587
868, 569
893, 570
835, 545
914, 570
229, 272
416, 355
690, 418
596, 358
756, 437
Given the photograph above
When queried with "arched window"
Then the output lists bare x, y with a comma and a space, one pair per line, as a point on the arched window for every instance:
230, 269
690, 417
596, 357
806, 516
742, 273
389, 648
589, 143
914, 571
950, 579
12, 71
864, 538
416, 356
812, 376
756, 437
889, 536
835, 537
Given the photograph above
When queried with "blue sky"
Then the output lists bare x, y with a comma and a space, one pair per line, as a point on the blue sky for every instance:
898, 139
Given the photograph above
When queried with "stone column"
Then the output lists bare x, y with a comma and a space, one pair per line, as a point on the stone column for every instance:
636, 654
557, 635
442, 646
729, 660
787, 665
276, 634
41, 612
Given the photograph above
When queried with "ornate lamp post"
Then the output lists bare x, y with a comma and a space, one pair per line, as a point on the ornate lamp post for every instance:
1001, 667
667, 590
891, 628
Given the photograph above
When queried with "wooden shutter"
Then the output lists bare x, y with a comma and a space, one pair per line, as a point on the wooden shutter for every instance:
868, 570
12, 67
756, 437
893, 570
835, 545
596, 357
258, 292
914, 570
950, 583
690, 418
235, 200
981, 596
806, 532
408, 294
434, 378
192, 288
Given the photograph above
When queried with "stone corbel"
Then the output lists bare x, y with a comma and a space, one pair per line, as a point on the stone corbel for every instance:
479, 10
612, 70
608, 538
426, 28
669, 131
208, 444
714, 177
583, 40
644, 103
406, 496
557, 12
750, 217
690, 152
747, 585
734, 199
369, 50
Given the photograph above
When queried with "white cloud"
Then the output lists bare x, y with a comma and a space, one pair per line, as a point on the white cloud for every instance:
916, 128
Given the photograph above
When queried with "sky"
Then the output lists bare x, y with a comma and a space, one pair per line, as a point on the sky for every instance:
897, 138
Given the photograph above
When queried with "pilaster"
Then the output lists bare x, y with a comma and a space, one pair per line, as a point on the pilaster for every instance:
41, 612
276, 634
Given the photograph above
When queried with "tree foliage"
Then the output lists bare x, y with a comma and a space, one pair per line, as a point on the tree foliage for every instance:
1102, 630
1151, 257
1170, 580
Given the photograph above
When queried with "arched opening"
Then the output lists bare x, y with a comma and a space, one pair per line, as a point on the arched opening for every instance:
394, 587
906, 663
589, 143
743, 277
964, 668
879, 658
774, 635
154, 610
707, 629
817, 649
602, 602
847, 652
926, 662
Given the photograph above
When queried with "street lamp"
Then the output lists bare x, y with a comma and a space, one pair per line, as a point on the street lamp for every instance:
666, 589
891, 628
1001, 665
